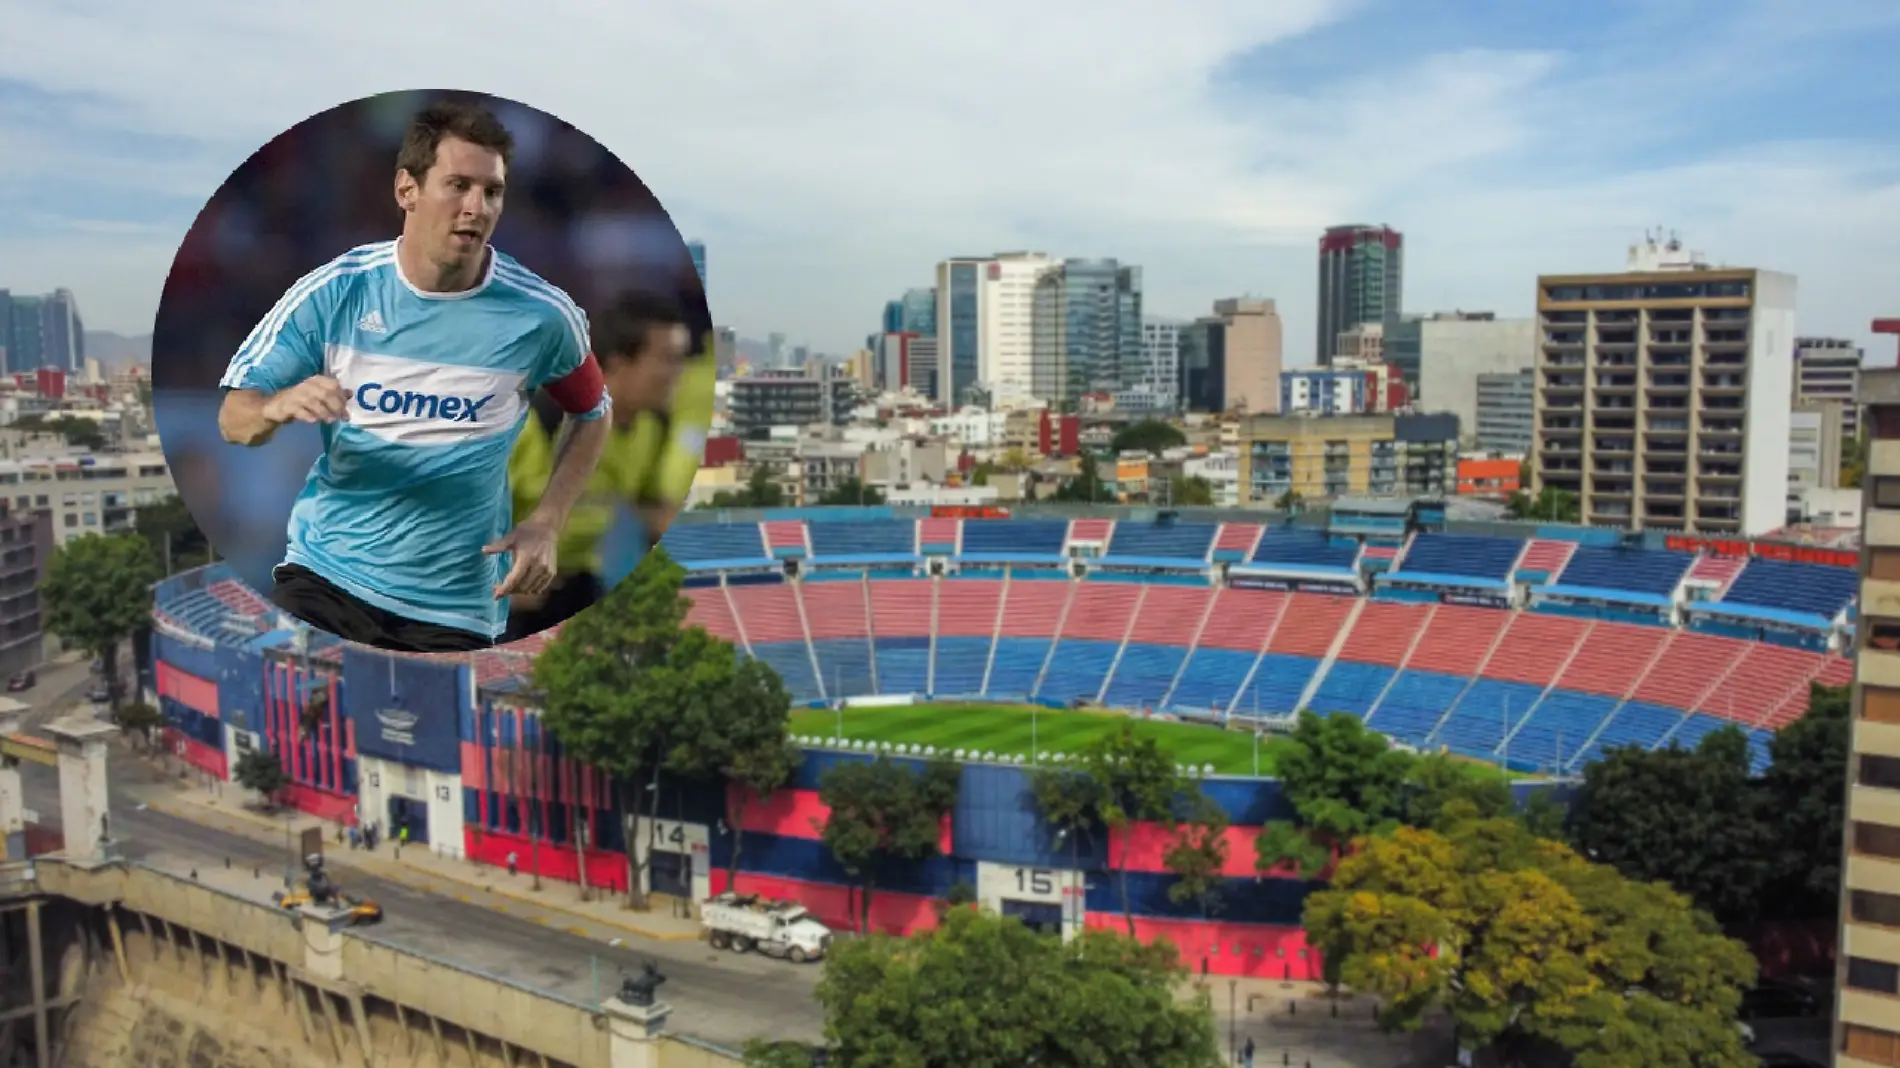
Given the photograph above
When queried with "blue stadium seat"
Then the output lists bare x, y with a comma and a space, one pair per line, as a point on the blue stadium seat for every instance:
846, 666
1277, 685
903, 665
1470, 555
1814, 589
887, 537
792, 660
1018, 662
1480, 720
1636, 723
1211, 678
1557, 728
960, 666
694, 543
1013, 539
1351, 687
1652, 571
1178, 541
1414, 704
1303, 547
1077, 670
1144, 675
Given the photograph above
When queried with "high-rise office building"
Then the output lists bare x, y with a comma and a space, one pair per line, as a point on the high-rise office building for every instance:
1867, 1009
1255, 343
913, 313
43, 331
1005, 347
775, 350
1505, 411
1361, 280
1827, 371
697, 250
959, 327
1663, 393
1161, 357
1086, 330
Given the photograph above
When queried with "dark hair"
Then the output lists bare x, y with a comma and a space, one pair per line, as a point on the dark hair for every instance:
464, 122
622, 330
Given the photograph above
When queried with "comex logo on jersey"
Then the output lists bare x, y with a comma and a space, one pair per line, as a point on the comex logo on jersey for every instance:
373, 397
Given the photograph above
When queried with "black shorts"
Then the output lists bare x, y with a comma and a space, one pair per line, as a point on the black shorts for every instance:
569, 595
317, 601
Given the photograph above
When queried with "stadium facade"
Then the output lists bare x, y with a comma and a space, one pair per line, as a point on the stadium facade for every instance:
1534, 649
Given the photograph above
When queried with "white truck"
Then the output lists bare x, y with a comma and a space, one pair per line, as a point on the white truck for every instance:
744, 922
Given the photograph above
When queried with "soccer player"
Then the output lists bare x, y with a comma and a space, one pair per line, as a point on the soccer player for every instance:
641, 343
416, 357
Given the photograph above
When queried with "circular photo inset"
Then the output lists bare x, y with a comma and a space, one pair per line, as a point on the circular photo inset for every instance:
424, 370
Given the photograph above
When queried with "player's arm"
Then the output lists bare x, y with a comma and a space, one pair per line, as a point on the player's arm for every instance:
679, 464
582, 395
276, 376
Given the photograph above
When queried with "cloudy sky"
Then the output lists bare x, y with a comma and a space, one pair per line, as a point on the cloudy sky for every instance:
829, 152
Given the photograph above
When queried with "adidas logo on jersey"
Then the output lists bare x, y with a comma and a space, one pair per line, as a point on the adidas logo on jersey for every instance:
372, 323
371, 396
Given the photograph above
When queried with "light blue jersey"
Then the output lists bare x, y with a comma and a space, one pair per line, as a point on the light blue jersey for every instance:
408, 490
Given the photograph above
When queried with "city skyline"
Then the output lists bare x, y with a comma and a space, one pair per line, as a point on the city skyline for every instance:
1466, 137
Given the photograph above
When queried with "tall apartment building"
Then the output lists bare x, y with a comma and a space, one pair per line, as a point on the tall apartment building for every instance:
1827, 371
817, 395
1505, 415
1663, 393
1005, 356
26, 544
1161, 357
1867, 1010
1327, 457
1086, 329
1361, 280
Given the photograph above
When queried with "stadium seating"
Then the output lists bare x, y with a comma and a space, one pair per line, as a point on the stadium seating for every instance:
1652, 572
1153, 541
1239, 623
966, 631
785, 537
1462, 555
901, 618
1013, 539
839, 618
938, 535
715, 543
1719, 570
874, 541
1811, 589
1164, 630
1235, 541
1544, 559
1302, 548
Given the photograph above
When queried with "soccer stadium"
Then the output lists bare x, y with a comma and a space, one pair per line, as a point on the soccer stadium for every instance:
1006, 641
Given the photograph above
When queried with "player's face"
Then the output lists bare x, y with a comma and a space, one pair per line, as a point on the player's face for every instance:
646, 384
454, 208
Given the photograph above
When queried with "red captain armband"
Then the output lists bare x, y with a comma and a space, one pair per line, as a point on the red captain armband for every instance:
582, 391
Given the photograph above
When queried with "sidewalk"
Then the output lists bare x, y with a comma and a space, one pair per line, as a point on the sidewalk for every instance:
422, 869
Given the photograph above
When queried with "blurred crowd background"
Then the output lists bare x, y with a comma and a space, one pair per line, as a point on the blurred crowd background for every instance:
574, 214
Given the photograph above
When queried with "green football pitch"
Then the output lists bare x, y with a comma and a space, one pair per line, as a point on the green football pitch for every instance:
1007, 730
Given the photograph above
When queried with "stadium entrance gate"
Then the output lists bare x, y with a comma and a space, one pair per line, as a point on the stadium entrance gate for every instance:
411, 813
670, 873
1039, 916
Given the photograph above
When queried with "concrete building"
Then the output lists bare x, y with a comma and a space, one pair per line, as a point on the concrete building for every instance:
26, 544
86, 493
1231, 360
1867, 1009
1361, 280
1827, 370
1221, 471
1505, 411
1007, 294
959, 327
1087, 335
1325, 391
1364, 343
1664, 392
1814, 448
1161, 357
1441, 355
41, 331
790, 398
1327, 457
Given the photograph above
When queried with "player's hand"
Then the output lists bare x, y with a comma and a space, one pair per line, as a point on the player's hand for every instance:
532, 544
317, 399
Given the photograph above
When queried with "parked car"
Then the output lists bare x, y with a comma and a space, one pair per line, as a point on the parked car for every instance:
99, 694
22, 682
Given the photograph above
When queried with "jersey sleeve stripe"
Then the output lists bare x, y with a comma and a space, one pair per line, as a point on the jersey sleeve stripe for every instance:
521, 279
264, 336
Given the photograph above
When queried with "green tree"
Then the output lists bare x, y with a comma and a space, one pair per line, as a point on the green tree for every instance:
1289, 501
1686, 817
1070, 802
1548, 506
1530, 949
1086, 487
985, 991
140, 719
97, 592
1854, 461
173, 534
1435, 780
1802, 804
1191, 491
852, 492
1343, 781
980, 474
759, 491
1197, 854
614, 681
1135, 782
262, 772
882, 814
1149, 435
78, 432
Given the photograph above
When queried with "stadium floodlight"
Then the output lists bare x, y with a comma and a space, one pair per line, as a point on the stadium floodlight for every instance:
930, 750
959, 754
1207, 768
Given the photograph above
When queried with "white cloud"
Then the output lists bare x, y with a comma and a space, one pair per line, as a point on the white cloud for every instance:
831, 151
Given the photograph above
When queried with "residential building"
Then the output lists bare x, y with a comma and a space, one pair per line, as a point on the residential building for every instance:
1320, 458
1161, 356
908, 461
1221, 471
1867, 1008
1505, 412
1361, 280
1086, 333
1827, 369
959, 328
26, 544
790, 398
893, 366
1814, 448
827, 466
1441, 355
1325, 391
725, 350
1364, 342
1005, 360
86, 493
1664, 393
